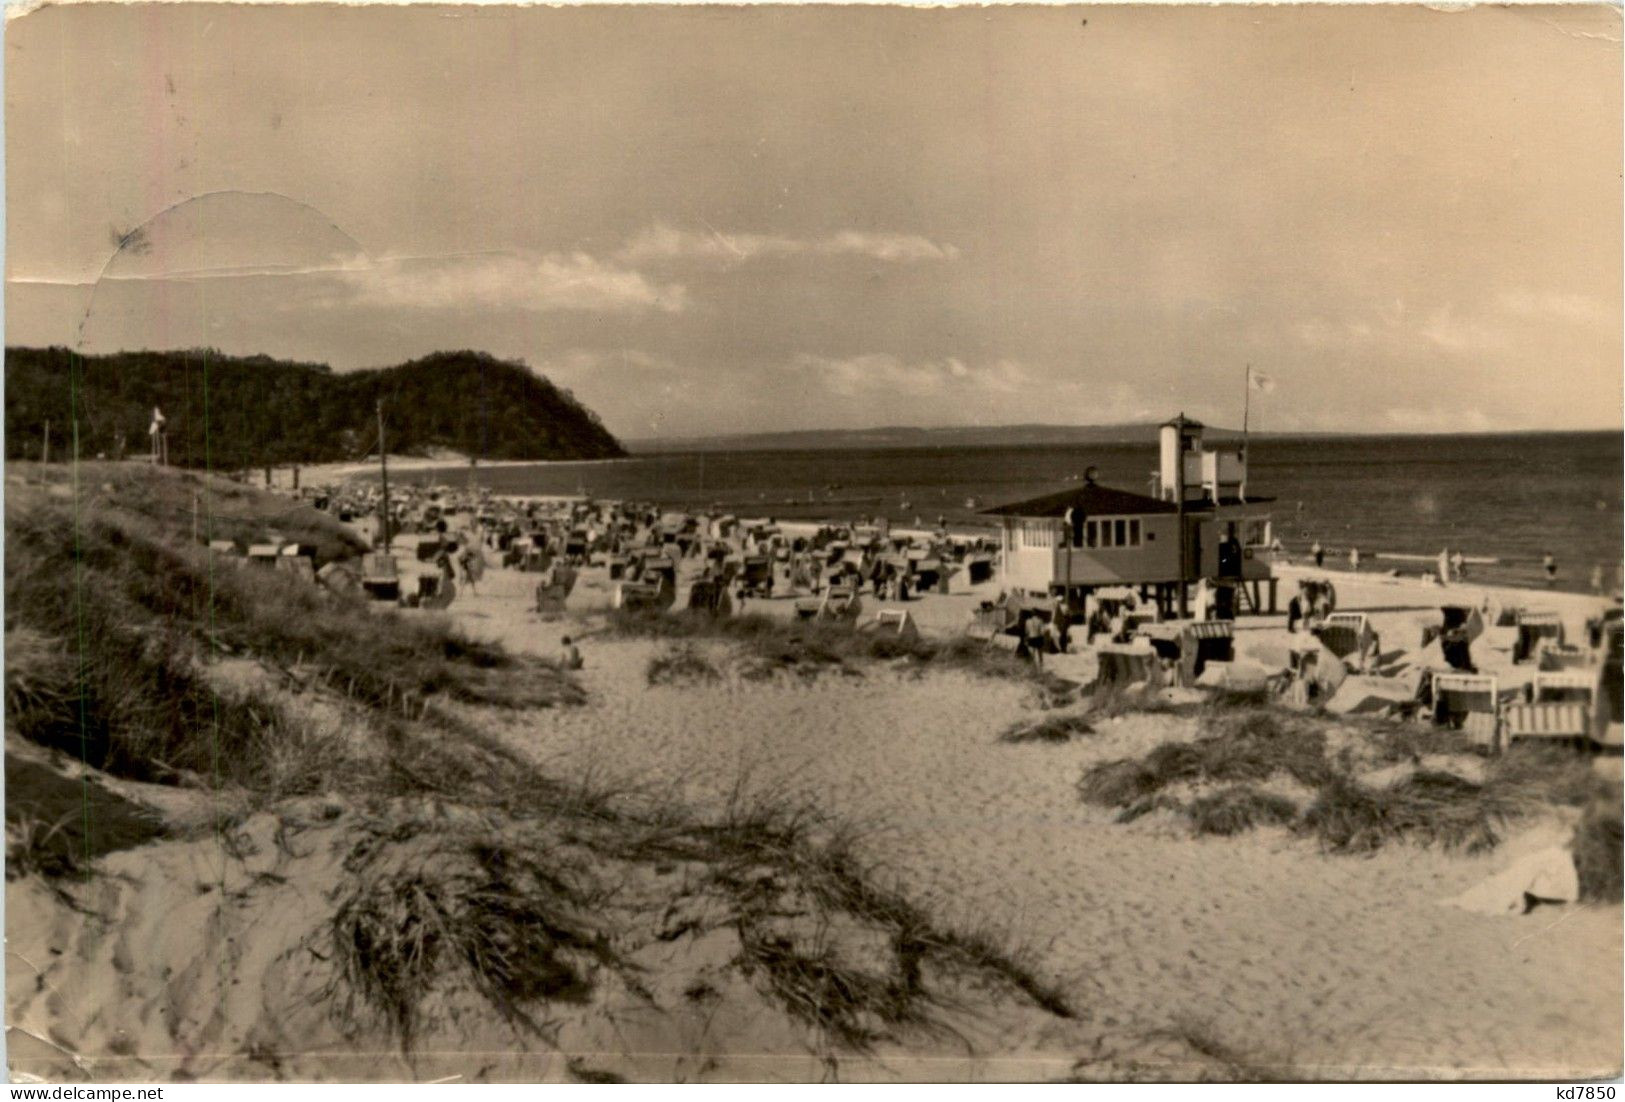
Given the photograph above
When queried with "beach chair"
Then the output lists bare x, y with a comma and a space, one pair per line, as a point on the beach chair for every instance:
264, 554
1346, 634
339, 577
380, 576
300, 566
1534, 627
710, 595
979, 569
1126, 665
1469, 702
841, 604
895, 622
1550, 720
1563, 656
1010, 644
756, 577
1202, 642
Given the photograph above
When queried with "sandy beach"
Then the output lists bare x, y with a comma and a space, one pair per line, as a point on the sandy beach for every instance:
201, 945
1348, 966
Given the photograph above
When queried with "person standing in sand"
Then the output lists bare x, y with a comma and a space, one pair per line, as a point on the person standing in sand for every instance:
1549, 562
1354, 559
1037, 634
1319, 553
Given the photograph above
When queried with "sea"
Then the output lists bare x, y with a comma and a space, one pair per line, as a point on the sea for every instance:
1512, 498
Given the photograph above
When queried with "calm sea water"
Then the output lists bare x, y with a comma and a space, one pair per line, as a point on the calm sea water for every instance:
1509, 497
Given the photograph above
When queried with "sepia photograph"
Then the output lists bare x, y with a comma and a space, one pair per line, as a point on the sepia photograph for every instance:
866, 544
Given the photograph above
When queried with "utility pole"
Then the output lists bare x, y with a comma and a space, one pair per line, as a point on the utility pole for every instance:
45, 452
383, 466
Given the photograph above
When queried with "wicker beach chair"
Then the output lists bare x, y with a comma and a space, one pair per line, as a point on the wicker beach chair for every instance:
1470, 702
894, 622
1551, 720
1535, 627
1203, 642
1563, 656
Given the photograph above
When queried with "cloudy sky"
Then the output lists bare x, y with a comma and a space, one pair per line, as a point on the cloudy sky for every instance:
715, 220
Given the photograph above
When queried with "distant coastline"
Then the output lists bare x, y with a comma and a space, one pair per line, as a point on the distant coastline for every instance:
1021, 435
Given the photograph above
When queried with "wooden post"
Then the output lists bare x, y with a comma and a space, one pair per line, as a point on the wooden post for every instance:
383, 466
45, 452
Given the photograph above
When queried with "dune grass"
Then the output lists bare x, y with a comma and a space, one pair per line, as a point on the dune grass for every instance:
810, 647
1052, 729
112, 619
1597, 850
1238, 809
682, 664
1246, 743
1428, 807
1241, 743
520, 930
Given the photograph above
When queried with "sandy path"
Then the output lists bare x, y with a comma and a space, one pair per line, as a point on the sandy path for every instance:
1348, 964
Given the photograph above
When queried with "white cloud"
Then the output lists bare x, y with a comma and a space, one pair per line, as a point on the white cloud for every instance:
882, 372
664, 242
1452, 332
1437, 420
1559, 305
555, 281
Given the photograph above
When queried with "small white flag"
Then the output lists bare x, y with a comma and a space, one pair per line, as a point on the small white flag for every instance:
1262, 383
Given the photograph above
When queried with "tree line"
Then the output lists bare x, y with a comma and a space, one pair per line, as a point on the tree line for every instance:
243, 412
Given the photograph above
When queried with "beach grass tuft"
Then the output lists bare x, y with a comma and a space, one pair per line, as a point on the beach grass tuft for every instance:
1051, 729
682, 664
1238, 809
1597, 850
486, 909
1429, 807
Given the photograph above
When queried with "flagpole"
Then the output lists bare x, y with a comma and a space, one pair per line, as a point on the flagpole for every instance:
1246, 404
1246, 409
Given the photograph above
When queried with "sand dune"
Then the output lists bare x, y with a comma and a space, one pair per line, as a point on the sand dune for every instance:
1346, 965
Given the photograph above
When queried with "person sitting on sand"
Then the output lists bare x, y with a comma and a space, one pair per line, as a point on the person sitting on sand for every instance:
572, 654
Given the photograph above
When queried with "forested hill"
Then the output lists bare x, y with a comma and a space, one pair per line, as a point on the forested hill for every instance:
262, 411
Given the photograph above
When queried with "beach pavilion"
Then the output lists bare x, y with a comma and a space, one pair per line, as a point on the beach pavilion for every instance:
1200, 523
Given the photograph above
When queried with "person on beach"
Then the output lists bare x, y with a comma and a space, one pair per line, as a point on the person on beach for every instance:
1444, 567
1319, 553
1458, 566
1549, 563
1036, 631
572, 654
1354, 559
1596, 579
1060, 624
